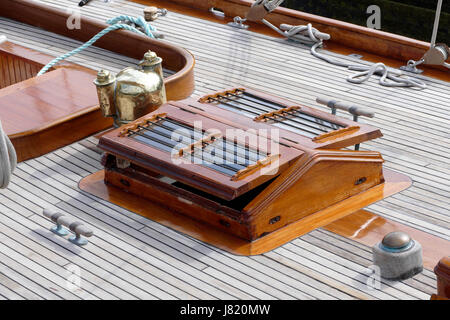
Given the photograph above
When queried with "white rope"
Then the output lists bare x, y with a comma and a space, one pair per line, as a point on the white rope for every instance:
380, 69
388, 77
309, 35
8, 159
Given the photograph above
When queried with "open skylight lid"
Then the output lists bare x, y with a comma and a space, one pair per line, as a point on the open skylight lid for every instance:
218, 157
306, 126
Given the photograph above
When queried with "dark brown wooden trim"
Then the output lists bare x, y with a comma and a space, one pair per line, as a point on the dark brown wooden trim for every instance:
442, 271
348, 34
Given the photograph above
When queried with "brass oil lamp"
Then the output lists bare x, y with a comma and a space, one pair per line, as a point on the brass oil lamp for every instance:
133, 92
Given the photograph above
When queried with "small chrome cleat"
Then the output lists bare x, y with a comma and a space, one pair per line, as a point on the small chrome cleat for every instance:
238, 22
411, 66
78, 228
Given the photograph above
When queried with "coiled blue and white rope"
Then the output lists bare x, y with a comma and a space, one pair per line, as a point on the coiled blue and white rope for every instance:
115, 25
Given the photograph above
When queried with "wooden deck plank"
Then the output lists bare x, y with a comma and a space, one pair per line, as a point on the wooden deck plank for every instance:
36, 272
12, 290
171, 265
197, 249
397, 289
138, 287
61, 247
50, 268
74, 210
54, 44
34, 291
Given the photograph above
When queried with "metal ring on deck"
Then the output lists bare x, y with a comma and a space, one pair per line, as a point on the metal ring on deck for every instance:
397, 250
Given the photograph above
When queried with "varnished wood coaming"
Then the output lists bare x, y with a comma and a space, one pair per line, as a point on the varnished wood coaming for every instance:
301, 191
201, 177
307, 182
60, 107
217, 236
326, 178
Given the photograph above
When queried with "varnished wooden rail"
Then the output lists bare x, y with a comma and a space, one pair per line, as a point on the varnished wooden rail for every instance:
178, 86
346, 38
347, 34
41, 114
200, 144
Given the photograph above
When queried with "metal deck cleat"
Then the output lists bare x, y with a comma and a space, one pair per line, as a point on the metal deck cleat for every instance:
238, 22
63, 221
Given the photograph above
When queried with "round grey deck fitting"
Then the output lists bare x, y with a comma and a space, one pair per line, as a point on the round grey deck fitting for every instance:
398, 256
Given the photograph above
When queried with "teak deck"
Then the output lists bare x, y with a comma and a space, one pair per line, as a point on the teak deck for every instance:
132, 257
